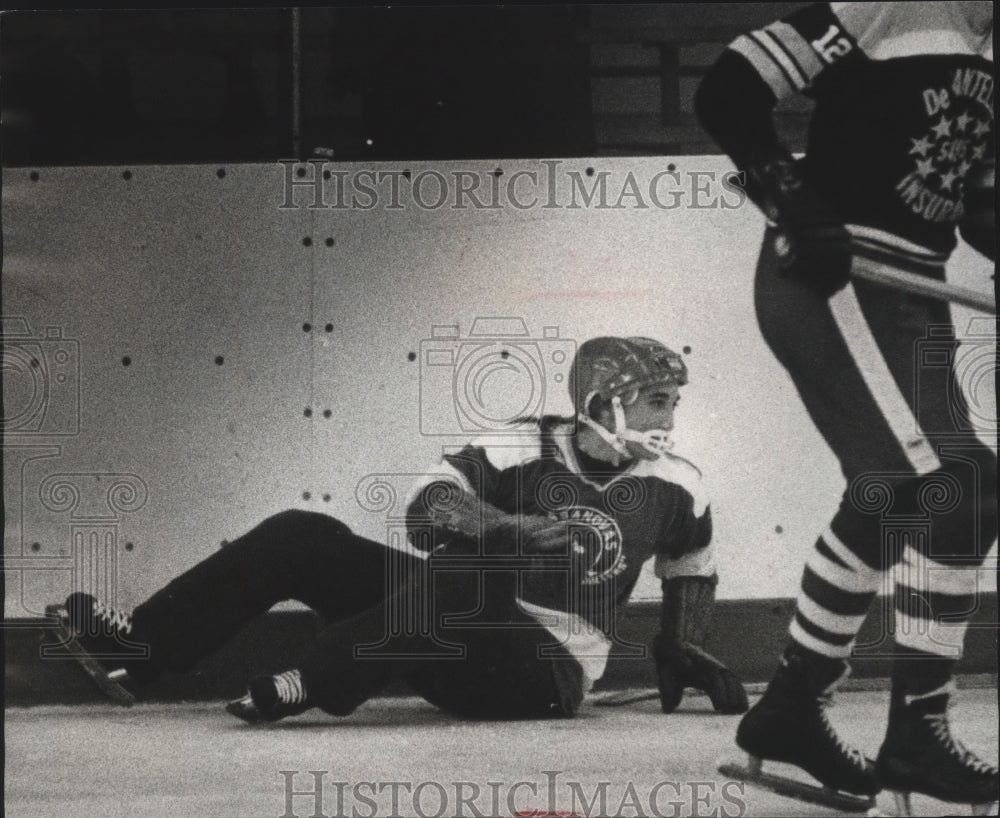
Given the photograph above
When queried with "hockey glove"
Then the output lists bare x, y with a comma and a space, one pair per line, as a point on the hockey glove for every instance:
681, 662
812, 243
686, 665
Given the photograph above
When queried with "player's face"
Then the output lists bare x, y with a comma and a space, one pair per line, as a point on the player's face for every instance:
653, 409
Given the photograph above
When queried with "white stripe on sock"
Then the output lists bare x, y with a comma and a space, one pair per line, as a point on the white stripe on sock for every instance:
941, 639
924, 574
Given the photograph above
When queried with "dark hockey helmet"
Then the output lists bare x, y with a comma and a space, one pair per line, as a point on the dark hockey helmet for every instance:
620, 367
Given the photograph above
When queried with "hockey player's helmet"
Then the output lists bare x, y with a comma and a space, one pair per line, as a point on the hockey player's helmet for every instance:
620, 367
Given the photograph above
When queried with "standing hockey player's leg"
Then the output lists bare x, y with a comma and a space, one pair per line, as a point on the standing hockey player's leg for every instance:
854, 368
934, 598
790, 723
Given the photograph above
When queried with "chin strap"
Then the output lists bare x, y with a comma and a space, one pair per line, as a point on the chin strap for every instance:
655, 441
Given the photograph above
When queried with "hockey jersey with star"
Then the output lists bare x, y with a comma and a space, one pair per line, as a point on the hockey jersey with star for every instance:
904, 106
618, 520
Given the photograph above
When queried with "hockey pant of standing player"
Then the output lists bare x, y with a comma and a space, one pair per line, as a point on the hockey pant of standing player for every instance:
874, 368
385, 617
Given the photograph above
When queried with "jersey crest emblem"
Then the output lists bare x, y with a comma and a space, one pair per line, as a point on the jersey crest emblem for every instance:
596, 543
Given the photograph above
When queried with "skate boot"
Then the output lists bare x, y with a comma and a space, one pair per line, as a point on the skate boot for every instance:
789, 724
101, 639
920, 755
270, 698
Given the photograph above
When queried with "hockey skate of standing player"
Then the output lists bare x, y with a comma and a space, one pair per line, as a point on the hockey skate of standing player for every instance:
899, 154
543, 533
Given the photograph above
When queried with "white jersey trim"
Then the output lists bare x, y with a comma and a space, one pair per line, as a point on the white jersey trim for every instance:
673, 469
586, 642
442, 471
886, 31
700, 563
508, 451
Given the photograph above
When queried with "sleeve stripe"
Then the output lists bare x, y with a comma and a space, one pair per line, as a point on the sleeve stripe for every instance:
798, 49
778, 82
777, 52
700, 563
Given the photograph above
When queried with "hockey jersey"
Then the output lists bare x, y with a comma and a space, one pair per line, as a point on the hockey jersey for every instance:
618, 520
904, 106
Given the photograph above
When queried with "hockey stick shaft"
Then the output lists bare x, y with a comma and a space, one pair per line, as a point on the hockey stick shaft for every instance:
921, 285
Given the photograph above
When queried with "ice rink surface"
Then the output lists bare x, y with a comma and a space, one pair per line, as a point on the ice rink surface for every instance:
401, 757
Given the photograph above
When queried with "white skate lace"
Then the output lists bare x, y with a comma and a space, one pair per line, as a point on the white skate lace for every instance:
942, 732
852, 754
119, 620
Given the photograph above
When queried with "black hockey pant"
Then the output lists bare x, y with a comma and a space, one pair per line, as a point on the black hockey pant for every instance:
877, 371
457, 637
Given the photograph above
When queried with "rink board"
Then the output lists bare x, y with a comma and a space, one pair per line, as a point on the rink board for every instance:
193, 348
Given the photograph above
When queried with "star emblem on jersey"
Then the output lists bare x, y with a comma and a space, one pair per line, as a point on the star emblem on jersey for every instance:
920, 146
958, 122
948, 179
943, 128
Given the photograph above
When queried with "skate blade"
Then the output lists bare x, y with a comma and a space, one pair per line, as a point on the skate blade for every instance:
620, 698
790, 788
904, 806
109, 683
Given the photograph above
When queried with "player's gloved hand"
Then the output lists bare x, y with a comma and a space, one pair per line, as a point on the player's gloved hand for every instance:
683, 665
812, 243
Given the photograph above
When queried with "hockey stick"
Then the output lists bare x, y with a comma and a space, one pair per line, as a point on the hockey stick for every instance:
920, 285
630, 695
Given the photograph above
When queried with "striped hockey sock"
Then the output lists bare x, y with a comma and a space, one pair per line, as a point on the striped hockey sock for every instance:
836, 591
932, 605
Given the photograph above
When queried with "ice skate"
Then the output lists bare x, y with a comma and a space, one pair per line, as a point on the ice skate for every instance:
100, 640
920, 755
790, 725
270, 698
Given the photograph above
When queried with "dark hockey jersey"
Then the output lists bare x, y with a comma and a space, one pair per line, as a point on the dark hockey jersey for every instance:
904, 106
619, 519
